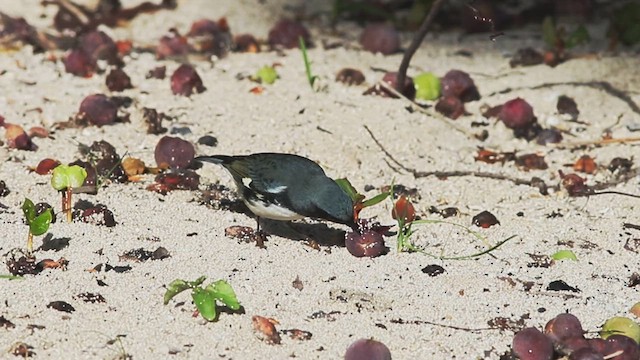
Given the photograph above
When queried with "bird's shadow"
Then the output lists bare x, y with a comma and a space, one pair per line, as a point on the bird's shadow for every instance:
321, 233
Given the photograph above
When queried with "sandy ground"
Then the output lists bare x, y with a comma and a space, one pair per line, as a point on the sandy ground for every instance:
387, 298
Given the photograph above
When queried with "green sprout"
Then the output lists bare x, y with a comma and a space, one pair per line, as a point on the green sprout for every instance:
557, 38
38, 223
404, 213
64, 179
307, 64
358, 199
267, 75
427, 86
205, 298
564, 255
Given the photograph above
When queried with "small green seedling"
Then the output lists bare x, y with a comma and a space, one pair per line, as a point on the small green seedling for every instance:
619, 325
205, 298
404, 213
427, 86
358, 199
557, 38
64, 179
38, 224
307, 64
564, 255
267, 75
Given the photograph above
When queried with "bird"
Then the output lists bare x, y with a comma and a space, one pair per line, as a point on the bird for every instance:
284, 187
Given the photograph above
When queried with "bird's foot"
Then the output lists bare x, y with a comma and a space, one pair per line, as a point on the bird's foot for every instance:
259, 237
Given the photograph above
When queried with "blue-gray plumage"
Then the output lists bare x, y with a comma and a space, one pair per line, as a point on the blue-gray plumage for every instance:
286, 187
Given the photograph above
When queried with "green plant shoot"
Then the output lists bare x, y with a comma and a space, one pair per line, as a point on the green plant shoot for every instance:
206, 298
267, 75
404, 213
358, 199
38, 224
64, 179
307, 64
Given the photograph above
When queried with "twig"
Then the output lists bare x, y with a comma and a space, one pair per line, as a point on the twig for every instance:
600, 85
75, 11
423, 322
424, 111
415, 43
387, 153
576, 144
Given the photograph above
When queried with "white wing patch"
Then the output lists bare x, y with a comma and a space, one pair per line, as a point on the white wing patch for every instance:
246, 181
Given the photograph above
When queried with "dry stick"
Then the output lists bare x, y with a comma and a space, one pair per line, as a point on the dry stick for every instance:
600, 85
74, 10
445, 174
595, 142
415, 43
413, 105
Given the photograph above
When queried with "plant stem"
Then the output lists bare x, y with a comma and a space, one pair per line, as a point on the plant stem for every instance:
415, 43
30, 244
307, 64
66, 203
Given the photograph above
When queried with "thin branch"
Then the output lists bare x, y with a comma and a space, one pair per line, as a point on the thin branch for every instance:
600, 85
415, 43
417, 107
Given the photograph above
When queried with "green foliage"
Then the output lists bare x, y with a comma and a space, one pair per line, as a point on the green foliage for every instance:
39, 224
556, 37
267, 75
307, 64
358, 199
564, 255
205, 298
625, 23
65, 177
427, 86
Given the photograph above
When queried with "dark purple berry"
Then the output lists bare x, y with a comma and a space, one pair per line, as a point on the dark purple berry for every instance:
98, 110
367, 349
286, 32
368, 244
185, 81
380, 38
517, 114
118, 80
78, 63
173, 152
586, 353
459, 84
450, 106
531, 344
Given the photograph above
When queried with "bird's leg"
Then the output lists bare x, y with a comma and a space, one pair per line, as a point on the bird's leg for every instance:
260, 236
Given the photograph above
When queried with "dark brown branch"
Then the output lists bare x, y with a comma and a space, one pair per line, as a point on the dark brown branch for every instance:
415, 44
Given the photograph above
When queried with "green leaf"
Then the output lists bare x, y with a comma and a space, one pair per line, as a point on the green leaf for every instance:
579, 36
307, 64
205, 303
224, 292
177, 286
40, 224
11, 277
564, 255
65, 176
350, 190
267, 75
549, 32
427, 86
375, 200
29, 210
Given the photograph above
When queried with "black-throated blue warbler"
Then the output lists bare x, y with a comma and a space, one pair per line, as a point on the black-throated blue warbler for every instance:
286, 187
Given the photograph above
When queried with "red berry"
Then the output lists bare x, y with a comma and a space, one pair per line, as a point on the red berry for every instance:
185, 80
380, 38
516, 114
